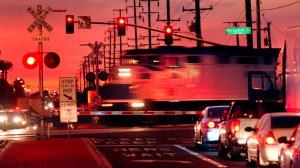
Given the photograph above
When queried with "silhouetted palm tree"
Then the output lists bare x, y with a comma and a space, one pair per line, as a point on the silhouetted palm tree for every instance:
5, 66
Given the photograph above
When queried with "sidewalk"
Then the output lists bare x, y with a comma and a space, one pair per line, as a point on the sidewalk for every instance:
52, 153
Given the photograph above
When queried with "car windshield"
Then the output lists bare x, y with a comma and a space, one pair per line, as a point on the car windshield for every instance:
256, 110
285, 121
217, 112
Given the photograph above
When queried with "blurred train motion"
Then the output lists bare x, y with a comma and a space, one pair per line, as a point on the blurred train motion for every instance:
180, 78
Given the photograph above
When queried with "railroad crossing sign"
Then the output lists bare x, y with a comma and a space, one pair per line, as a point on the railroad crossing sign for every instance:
100, 53
39, 18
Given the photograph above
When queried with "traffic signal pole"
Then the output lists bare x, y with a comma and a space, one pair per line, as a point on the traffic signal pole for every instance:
161, 31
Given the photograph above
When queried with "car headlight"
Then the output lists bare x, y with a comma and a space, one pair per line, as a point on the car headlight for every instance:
2, 119
17, 119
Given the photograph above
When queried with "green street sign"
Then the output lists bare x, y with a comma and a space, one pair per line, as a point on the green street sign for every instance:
238, 30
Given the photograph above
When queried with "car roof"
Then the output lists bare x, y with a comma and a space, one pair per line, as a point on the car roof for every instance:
217, 106
278, 114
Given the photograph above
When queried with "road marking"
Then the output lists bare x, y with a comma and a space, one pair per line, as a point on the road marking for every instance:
164, 161
96, 154
202, 157
167, 145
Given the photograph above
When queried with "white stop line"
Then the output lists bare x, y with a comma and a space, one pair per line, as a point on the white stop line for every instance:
202, 157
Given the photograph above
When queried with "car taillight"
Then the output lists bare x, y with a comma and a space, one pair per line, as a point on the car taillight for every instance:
270, 138
211, 124
235, 125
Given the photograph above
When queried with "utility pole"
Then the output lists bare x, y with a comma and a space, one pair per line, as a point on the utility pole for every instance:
149, 19
249, 23
268, 40
258, 24
135, 21
198, 20
168, 21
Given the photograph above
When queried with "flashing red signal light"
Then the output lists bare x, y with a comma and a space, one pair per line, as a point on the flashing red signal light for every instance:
70, 24
121, 25
168, 34
30, 60
51, 60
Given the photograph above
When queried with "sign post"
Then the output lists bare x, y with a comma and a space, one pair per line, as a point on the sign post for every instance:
68, 101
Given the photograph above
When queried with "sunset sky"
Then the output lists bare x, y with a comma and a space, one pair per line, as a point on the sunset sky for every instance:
16, 40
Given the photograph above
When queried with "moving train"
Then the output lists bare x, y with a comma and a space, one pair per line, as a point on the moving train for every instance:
182, 78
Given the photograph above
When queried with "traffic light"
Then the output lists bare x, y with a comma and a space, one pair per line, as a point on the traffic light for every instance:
30, 60
121, 24
70, 24
51, 60
168, 34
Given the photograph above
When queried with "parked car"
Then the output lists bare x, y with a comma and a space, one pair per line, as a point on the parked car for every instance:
289, 155
242, 114
206, 132
262, 145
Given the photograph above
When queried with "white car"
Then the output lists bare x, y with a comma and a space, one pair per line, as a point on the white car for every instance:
262, 146
289, 156
206, 132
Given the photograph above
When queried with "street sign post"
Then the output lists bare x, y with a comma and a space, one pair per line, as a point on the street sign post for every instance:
68, 101
238, 30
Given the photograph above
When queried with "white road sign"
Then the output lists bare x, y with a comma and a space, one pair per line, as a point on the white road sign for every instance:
67, 89
68, 112
39, 19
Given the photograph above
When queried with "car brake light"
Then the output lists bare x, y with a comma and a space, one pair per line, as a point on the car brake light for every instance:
211, 124
270, 138
236, 125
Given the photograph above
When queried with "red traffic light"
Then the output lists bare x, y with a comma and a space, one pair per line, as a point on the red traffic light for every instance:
51, 60
121, 25
168, 29
70, 24
30, 60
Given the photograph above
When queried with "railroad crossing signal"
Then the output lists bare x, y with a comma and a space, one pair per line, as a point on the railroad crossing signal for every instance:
168, 34
30, 60
70, 24
121, 25
51, 60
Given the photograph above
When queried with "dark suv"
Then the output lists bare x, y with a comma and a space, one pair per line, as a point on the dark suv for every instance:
242, 114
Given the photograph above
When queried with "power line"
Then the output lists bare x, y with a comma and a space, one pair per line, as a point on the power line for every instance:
283, 6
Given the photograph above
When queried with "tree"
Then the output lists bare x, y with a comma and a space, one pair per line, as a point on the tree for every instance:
5, 66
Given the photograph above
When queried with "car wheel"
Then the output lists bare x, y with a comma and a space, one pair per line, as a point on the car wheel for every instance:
233, 151
259, 161
221, 149
250, 163
204, 146
196, 143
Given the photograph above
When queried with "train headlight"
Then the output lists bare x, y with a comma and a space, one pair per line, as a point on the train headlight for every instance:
2, 119
17, 119
124, 72
137, 104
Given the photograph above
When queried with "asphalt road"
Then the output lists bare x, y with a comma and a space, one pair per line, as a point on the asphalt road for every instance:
147, 147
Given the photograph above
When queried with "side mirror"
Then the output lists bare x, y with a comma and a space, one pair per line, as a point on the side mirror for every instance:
282, 139
249, 129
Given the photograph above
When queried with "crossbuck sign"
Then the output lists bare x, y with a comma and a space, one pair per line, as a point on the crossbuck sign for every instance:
39, 19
